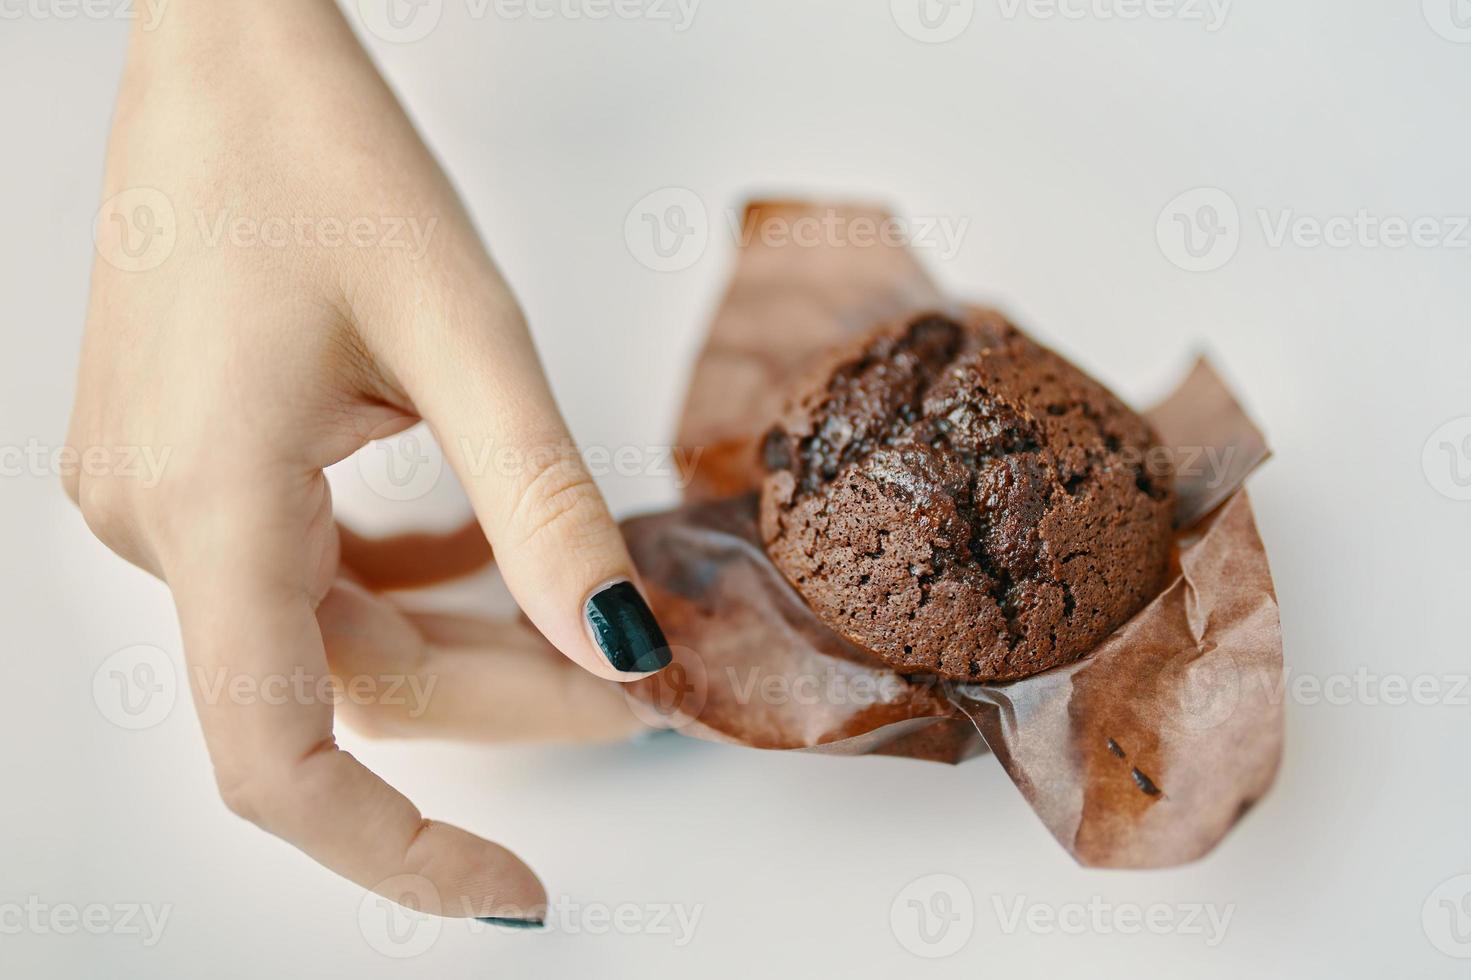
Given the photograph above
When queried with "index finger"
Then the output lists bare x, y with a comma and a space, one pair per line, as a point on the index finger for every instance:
246, 594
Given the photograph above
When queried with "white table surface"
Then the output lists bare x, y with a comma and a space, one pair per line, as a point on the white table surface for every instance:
1059, 142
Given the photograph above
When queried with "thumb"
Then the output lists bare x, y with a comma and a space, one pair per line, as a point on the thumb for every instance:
481, 388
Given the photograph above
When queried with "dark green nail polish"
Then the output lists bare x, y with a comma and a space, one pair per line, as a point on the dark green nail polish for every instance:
495, 920
626, 630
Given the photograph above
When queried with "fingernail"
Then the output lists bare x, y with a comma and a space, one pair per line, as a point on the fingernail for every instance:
625, 629
495, 920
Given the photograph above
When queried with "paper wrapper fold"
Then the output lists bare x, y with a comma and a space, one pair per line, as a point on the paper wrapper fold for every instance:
1142, 754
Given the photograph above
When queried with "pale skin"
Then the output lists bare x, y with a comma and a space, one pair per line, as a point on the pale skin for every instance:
255, 368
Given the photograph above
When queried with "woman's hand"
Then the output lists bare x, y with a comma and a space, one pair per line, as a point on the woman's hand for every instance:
284, 275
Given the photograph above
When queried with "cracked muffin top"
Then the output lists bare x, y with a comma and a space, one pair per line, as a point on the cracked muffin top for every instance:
964, 502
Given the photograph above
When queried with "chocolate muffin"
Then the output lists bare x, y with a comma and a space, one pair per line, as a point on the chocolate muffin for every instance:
964, 502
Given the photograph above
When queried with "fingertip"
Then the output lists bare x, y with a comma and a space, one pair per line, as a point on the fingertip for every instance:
476, 878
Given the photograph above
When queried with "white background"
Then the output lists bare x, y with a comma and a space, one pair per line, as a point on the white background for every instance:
1059, 141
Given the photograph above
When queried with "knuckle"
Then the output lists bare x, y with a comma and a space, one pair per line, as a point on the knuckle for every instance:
105, 505
556, 497
239, 787
276, 789
71, 483
254, 790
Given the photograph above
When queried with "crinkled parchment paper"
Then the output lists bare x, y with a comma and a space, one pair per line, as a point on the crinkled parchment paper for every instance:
1141, 754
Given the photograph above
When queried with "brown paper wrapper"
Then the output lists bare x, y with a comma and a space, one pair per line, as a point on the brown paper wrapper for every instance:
1142, 754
